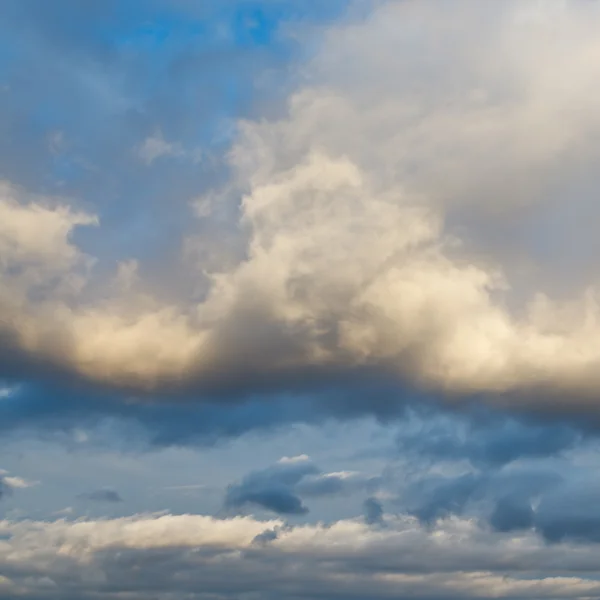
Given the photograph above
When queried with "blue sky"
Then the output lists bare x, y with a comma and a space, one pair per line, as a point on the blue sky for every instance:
299, 299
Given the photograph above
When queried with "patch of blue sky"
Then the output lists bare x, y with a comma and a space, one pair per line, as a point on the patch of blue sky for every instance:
106, 78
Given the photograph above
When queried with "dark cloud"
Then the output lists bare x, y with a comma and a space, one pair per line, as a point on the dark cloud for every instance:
166, 419
562, 513
512, 514
432, 498
561, 506
267, 536
487, 439
272, 489
280, 487
570, 513
278, 500
103, 495
373, 511
504, 498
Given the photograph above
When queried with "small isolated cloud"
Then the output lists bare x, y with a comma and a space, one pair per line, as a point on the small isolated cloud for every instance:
294, 459
8, 483
19, 482
6, 392
155, 147
103, 495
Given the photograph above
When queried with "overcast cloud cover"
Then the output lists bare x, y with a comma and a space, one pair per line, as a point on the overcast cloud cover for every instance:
299, 299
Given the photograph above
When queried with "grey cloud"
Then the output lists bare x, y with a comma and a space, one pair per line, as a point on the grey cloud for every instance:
563, 513
103, 495
485, 438
276, 499
559, 504
281, 487
434, 498
267, 536
272, 489
512, 514
570, 513
503, 498
373, 510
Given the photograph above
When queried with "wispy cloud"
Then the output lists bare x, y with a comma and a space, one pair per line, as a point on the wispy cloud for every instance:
155, 147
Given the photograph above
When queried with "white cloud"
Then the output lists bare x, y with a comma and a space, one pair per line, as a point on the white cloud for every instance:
18, 482
294, 459
7, 391
155, 146
392, 218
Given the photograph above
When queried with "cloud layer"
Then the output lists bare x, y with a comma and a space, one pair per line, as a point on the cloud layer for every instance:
194, 556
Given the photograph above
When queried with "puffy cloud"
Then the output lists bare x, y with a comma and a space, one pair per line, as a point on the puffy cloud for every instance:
556, 498
272, 488
564, 512
280, 487
401, 219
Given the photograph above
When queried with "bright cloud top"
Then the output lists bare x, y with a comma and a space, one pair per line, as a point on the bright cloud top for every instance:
364, 221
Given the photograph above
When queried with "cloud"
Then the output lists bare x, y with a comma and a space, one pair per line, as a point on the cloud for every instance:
179, 555
103, 495
554, 498
8, 483
156, 146
18, 482
487, 439
373, 511
569, 514
512, 514
280, 487
563, 512
433, 498
400, 219
273, 488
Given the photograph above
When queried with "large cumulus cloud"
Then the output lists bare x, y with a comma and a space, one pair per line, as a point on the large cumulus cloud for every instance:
401, 218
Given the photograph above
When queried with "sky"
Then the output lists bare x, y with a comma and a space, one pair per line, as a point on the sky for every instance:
299, 300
